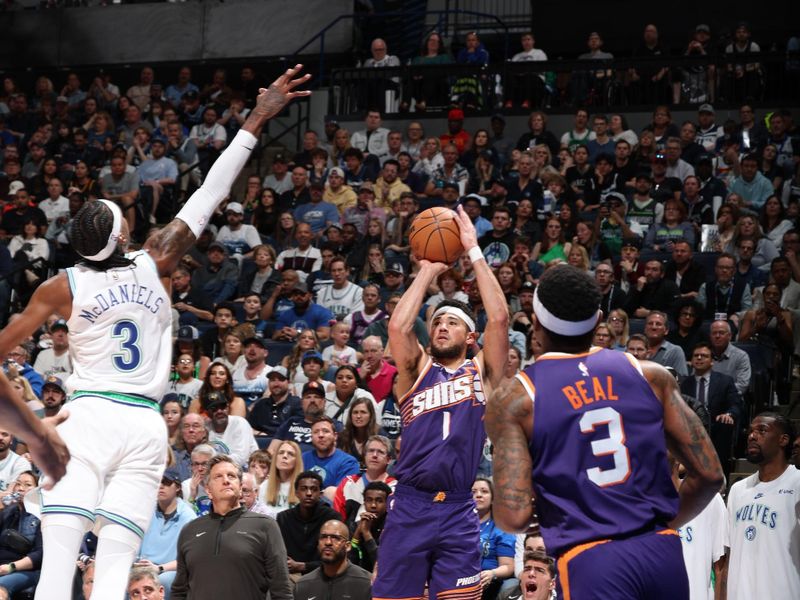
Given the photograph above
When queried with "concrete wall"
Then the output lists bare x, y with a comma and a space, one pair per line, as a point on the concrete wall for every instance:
190, 31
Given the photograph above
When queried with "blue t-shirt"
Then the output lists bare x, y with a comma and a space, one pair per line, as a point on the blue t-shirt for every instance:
318, 215
315, 316
334, 468
494, 544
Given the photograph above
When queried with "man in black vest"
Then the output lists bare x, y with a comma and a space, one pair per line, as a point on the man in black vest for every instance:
726, 298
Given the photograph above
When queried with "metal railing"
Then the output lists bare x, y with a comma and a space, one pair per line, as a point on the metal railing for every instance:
615, 83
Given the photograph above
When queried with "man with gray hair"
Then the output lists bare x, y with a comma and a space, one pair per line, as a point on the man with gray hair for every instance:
250, 499
193, 489
728, 358
231, 552
377, 374
143, 584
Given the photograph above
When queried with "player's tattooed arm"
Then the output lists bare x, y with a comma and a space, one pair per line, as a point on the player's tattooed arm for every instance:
273, 99
509, 422
689, 443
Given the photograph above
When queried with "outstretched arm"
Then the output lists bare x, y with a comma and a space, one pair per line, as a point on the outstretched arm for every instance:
406, 350
689, 443
495, 339
509, 423
169, 245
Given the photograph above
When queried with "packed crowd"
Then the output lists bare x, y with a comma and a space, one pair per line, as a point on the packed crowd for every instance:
281, 357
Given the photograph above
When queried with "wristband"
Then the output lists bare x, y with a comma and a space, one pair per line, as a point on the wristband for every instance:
475, 254
160, 569
12, 567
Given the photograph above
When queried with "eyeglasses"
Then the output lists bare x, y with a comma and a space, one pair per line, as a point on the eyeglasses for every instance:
185, 361
199, 464
332, 537
617, 320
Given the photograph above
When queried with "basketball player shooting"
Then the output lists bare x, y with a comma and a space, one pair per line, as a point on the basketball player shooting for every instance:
119, 315
585, 430
432, 531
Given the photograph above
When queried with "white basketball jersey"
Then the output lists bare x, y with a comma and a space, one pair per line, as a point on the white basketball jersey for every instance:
703, 540
120, 329
764, 519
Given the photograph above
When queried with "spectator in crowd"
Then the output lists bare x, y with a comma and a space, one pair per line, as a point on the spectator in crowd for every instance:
230, 433
726, 297
375, 88
210, 138
55, 359
674, 226
468, 91
217, 279
21, 538
316, 213
649, 83
537, 578
700, 209
728, 359
373, 139
456, 135
427, 88
239, 238
305, 314
660, 350
497, 560
538, 134
620, 326
242, 566
776, 484
193, 489
748, 227
160, 542
250, 378
348, 499
192, 434
301, 524
687, 330
676, 166
279, 178
613, 296
639, 346
144, 584
271, 411
298, 429
751, 185
53, 395
652, 292
745, 270
250, 499
602, 142
19, 357
367, 531
279, 493
684, 269
336, 577
304, 258
376, 372
174, 92
122, 188
580, 135
527, 88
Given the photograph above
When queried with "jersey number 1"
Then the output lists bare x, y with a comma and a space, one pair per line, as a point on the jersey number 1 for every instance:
131, 355
613, 445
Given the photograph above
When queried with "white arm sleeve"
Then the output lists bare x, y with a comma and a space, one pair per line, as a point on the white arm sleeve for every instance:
198, 209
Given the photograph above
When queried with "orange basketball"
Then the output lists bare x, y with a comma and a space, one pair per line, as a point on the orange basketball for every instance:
435, 236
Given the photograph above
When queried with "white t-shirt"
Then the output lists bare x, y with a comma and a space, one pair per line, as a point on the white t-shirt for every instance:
282, 502
240, 241
186, 391
237, 440
53, 209
341, 302
764, 525
343, 357
47, 363
10, 468
704, 540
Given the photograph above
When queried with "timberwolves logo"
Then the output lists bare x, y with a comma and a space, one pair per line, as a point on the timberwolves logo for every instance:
750, 533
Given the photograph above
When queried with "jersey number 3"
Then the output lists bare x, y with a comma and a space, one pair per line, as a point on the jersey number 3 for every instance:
613, 445
130, 354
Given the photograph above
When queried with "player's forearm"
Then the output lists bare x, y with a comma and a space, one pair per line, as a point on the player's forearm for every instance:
16, 416
405, 314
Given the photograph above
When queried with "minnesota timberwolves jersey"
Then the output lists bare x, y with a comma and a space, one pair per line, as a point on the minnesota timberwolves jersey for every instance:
599, 454
443, 430
120, 329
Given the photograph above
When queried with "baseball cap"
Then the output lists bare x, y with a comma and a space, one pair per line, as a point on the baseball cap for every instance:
477, 197
218, 246
396, 268
703, 27
60, 324
450, 185
704, 157
314, 387
300, 286
234, 207
367, 187
172, 475
316, 185
632, 242
498, 117
279, 371
63, 99
55, 382
191, 95
213, 400
707, 108
14, 187
187, 333
615, 196
311, 355
279, 158
455, 114
336, 171
158, 140
255, 340
528, 286
659, 156
644, 175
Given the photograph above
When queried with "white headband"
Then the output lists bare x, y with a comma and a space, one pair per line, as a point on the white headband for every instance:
456, 312
560, 326
113, 237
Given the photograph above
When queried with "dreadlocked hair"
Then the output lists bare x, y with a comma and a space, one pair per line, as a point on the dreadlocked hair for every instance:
89, 233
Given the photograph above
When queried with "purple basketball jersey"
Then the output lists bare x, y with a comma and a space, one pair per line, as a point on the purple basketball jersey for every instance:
599, 454
443, 430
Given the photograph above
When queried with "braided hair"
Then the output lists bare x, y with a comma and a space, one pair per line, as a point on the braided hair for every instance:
89, 234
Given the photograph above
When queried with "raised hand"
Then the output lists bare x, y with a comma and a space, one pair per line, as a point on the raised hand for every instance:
469, 237
271, 100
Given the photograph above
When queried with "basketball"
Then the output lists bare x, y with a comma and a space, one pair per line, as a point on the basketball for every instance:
435, 236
